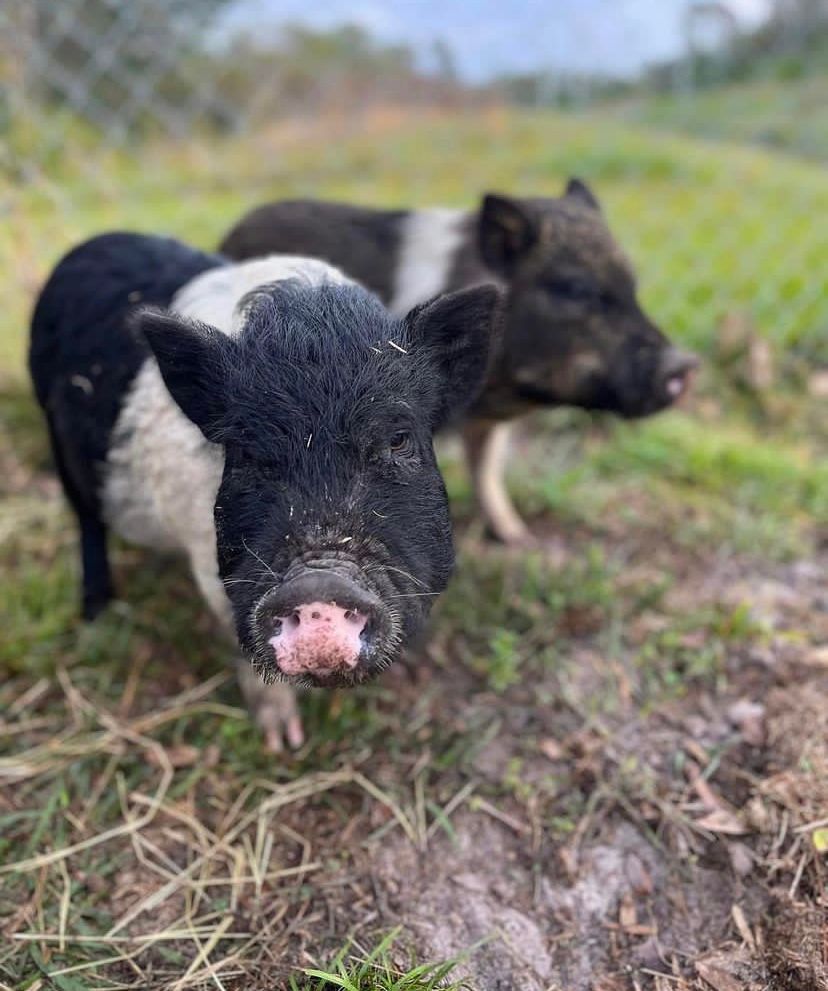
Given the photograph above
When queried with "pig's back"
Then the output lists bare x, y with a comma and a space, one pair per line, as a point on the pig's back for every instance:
214, 296
82, 358
404, 256
362, 241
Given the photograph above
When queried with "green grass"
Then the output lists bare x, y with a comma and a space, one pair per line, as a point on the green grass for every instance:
788, 115
377, 972
713, 228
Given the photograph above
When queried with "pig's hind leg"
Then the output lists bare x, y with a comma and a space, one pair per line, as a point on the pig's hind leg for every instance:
487, 444
96, 576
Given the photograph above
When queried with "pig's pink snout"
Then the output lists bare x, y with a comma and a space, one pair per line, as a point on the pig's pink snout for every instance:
323, 625
317, 638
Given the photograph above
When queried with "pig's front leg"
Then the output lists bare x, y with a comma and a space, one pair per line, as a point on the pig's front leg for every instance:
486, 444
273, 709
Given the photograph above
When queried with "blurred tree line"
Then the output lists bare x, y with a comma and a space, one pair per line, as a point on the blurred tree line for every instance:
131, 67
791, 43
306, 70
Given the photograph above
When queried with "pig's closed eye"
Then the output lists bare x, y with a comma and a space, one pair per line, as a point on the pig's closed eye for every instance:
401, 444
397, 449
576, 290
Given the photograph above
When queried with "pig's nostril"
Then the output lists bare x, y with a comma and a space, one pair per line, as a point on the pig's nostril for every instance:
676, 371
286, 624
291, 622
321, 636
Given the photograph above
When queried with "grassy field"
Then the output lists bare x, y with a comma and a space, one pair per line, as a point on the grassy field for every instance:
784, 115
714, 228
606, 769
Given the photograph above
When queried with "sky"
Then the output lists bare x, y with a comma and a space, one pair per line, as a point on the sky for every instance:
491, 37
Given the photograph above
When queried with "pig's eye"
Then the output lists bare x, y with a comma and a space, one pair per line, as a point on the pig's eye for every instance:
577, 290
401, 444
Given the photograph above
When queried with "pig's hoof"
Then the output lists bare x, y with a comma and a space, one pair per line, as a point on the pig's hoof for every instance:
274, 710
511, 534
280, 725
94, 603
554, 550
276, 713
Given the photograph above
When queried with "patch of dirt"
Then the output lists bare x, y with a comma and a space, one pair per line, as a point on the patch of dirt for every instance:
658, 845
795, 947
692, 858
625, 907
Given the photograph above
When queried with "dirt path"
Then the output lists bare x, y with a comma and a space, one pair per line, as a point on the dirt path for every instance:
690, 860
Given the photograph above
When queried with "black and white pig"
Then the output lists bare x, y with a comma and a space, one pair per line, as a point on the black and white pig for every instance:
574, 333
271, 421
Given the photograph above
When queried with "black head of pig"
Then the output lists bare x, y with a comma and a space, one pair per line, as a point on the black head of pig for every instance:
332, 525
574, 332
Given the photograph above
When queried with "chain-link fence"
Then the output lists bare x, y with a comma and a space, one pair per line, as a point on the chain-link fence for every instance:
176, 115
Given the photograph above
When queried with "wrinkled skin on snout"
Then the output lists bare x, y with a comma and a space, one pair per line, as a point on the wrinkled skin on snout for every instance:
332, 526
574, 331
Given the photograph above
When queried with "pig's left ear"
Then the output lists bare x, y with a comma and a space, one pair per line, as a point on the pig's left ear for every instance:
457, 329
577, 189
194, 359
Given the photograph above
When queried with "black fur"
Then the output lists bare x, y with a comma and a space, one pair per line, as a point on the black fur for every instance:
326, 407
359, 239
82, 363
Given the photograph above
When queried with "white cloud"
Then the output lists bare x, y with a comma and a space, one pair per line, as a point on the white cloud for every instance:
750, 12
490, 37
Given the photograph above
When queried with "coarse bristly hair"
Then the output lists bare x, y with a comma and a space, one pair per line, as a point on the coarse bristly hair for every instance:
325, 406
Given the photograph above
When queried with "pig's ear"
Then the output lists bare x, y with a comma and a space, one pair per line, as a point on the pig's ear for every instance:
457, 329
577, 189
506, 232
194, 360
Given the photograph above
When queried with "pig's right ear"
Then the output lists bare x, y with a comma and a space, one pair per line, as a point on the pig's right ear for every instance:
194, 360
506, 232
457, 330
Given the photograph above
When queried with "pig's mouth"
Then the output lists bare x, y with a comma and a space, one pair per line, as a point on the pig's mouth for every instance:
326, 625
599, 393
677, 385
672, 380
675, 375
